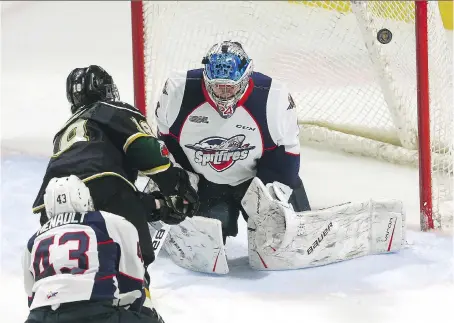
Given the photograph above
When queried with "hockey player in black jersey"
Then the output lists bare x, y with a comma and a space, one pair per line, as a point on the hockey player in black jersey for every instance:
106, 143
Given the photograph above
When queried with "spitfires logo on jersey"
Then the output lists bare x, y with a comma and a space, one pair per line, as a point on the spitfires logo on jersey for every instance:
220, 153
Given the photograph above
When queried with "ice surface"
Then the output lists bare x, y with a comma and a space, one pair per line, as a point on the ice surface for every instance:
385, 288
42, 42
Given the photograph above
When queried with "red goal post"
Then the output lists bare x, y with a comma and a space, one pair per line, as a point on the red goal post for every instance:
422, 72
422, 128
138, 54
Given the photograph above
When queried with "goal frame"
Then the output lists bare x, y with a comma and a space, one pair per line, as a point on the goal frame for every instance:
422, 74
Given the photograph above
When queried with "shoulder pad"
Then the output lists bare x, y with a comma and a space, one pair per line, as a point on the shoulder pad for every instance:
261, 81
120, 105
76, 116
104, 111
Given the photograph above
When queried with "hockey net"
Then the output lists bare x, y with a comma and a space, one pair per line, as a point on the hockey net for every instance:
352, 68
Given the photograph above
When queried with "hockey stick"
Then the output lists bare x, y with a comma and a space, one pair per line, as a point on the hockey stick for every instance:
160, 235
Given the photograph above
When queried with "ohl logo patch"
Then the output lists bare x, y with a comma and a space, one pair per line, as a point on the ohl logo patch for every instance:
220, 153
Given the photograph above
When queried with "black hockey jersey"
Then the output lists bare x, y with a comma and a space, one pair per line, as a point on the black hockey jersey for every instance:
93, 144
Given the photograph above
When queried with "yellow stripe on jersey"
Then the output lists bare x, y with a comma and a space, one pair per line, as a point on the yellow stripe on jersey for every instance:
155, 170
147, 293
132, 138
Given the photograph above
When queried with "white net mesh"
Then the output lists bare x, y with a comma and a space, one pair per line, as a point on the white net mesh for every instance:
353, 93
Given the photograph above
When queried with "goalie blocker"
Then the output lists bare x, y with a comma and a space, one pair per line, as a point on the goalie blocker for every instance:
280, 238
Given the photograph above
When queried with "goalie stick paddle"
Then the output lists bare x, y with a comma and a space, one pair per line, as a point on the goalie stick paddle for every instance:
160, 235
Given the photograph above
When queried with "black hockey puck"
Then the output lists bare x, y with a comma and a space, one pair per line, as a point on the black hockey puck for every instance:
384, 36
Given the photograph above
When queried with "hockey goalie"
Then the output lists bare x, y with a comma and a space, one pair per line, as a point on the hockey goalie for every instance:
235, 132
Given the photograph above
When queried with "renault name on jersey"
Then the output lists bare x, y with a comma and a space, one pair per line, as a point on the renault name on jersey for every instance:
62, 219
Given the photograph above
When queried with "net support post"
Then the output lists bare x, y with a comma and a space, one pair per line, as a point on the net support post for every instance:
138, 54
422, 75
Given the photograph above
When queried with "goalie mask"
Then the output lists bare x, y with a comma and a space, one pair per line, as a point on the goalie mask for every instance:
67, 195
226, 75
88, 85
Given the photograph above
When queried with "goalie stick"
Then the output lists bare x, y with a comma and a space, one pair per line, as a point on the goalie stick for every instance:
195, 244
160, 235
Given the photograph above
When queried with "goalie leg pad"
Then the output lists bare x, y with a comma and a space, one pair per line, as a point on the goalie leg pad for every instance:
197, 244
279, 238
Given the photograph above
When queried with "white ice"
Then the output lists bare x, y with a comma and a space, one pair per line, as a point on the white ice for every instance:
42, 42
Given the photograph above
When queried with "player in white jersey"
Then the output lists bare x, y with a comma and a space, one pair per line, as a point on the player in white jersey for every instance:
233, 130
84, 265
228, 125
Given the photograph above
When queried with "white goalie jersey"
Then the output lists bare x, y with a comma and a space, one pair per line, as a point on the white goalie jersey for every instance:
84, 256
261, 133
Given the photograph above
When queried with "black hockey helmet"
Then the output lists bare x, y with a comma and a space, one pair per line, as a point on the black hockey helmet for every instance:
90, 84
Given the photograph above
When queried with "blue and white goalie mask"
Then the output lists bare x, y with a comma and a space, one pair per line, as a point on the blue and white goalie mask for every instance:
226, 75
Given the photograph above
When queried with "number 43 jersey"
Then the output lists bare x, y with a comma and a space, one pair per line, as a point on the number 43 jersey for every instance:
93, 143
84, 256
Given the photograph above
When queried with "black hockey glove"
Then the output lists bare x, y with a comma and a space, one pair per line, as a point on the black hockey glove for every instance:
170, 214
149, 202
174, 209
178, 193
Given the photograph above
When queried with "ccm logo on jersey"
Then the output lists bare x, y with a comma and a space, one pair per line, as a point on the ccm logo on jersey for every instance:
239, 126
220, 153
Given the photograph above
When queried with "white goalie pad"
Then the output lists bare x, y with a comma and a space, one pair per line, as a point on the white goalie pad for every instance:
279, 238
196, 244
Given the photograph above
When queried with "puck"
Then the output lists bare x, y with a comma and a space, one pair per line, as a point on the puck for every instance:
384, 36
